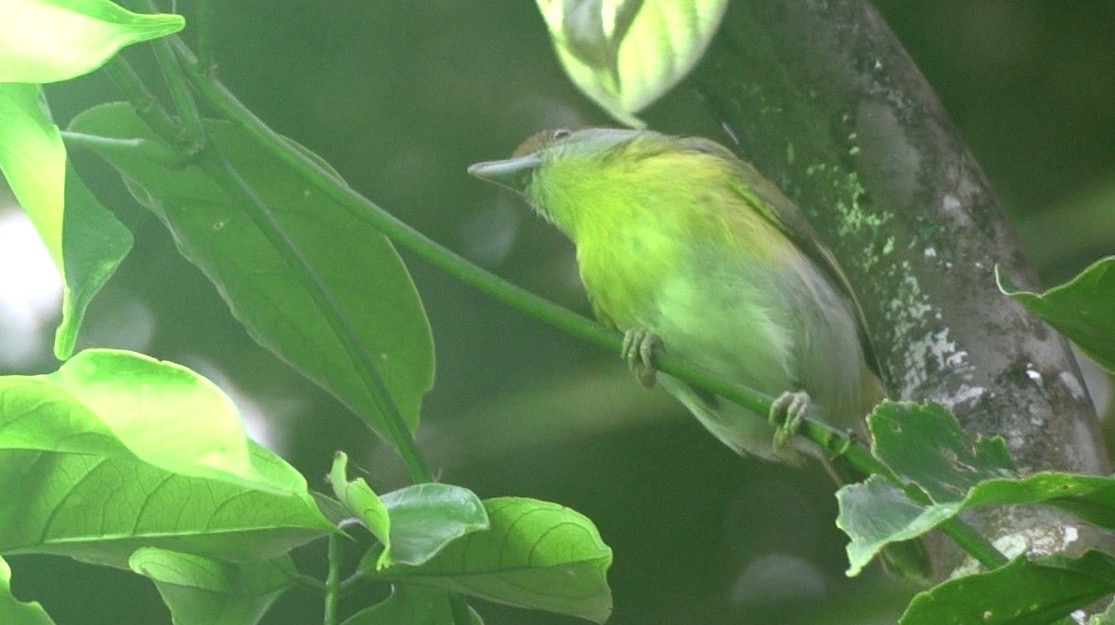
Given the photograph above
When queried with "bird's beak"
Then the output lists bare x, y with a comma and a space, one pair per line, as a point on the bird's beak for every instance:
513, 173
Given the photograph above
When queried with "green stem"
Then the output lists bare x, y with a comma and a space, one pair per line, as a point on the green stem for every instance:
224, 102
131, 86
203, 26
312, 584
155, 151
192, 136
332, 580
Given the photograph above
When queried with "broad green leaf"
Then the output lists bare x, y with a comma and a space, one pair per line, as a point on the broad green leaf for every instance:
1082, 309
926, 449
413, 605
33, 160
358, 266
876, 513
124, 405
413, 523
1022, 593
15, 612
425, 518
203, 591
624, 54
50, 40
94, 243
535, 555
101, 509
924, 445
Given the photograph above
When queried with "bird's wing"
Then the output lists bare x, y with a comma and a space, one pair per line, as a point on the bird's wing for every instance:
769, 201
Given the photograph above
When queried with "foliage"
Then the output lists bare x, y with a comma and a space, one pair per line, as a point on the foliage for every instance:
122, 460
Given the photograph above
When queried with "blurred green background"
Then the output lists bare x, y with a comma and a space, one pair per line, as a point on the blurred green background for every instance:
400, 97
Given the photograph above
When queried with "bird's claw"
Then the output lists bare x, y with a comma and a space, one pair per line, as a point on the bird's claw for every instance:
638, 350
787, 412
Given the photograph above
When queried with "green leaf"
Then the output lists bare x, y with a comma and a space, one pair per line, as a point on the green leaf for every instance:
535, 555
50, 40
425, 518
90, 247
412, 605
924, 445
925, 448
33, 160
116, 451
1022, 593
624, 54
360, 499
877, 513
94, 243
203, 591
413, 523
1083, 309
101, 509
358, 266
120, 404
15, 612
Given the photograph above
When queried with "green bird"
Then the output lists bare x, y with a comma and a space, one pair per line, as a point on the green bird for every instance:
684, 247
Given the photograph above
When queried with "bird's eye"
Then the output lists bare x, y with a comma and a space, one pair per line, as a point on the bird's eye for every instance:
561, 133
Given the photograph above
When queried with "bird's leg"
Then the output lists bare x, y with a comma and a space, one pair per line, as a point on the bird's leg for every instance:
787, 412
638, 350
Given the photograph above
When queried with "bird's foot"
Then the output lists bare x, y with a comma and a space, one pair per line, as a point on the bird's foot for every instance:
639, 345
787, 412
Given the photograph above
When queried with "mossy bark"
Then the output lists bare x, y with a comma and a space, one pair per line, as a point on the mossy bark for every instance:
823, 99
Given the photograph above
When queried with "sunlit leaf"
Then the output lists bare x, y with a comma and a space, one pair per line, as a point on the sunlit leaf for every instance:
357, 265
49, 40
536, 555
113, 403
203, 591
101, 509
413, 523
116, 451
624, 54
33, 160
1083, 309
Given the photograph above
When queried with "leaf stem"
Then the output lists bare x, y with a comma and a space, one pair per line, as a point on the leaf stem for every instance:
332, 580
154, 151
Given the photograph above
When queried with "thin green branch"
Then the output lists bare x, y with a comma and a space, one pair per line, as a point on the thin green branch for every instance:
130, 85
192, 135
154, 151
312, 584
835, 441
332, 580
203, 26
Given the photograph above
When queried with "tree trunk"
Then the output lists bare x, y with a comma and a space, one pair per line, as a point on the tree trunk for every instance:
824, 100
